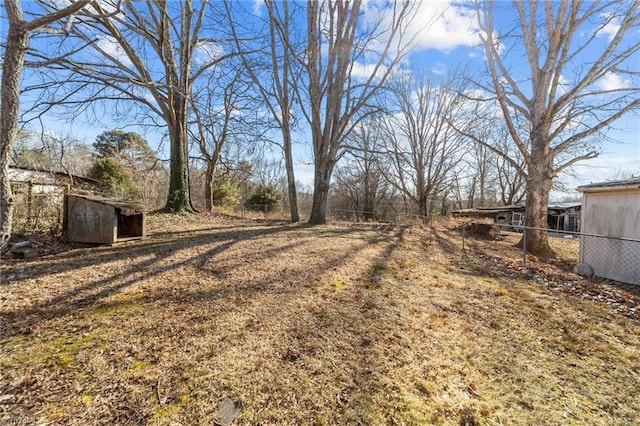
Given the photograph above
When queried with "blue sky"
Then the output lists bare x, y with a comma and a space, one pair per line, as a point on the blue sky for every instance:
446, 38
453, 41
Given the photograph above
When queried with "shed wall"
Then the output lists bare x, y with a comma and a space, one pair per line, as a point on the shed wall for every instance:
93, 222
616, 214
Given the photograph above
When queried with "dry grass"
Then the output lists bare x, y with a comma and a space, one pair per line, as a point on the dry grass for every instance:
324, 325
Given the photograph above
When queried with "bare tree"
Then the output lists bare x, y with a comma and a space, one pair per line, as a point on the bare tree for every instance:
423, 146
341, 74
494, 178
48, 151
142, 56
510, 179
563, 105
66, 153
622, 174
269, 64
484, 176
360, 180
218, 109
14, 54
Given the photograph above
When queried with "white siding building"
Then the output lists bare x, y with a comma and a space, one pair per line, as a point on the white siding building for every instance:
612, 209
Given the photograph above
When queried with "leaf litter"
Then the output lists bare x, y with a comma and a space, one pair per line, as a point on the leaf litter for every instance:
337, 324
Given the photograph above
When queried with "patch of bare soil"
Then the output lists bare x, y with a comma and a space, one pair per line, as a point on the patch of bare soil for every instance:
290, 324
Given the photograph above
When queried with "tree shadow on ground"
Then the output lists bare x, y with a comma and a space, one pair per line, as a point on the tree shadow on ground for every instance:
191, 313
157, 257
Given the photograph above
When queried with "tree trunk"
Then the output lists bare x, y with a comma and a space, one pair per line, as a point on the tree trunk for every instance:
291, 180
320, 195
538, 188
369, 213
426, 212
208, 180
15, 50
482, 188
10, 92
178, 198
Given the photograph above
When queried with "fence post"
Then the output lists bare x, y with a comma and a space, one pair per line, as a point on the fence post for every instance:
65, 204
430, 232
464, 227
524, 246
29, 202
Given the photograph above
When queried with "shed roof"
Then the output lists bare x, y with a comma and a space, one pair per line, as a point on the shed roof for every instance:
611, 185
564, 206
25, 174
120, 204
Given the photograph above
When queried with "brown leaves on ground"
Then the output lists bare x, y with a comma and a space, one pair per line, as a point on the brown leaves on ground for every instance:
306, 325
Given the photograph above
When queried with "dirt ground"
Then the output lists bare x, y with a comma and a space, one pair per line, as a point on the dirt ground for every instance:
337, 324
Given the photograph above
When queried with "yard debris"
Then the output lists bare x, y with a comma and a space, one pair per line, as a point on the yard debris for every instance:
25, 250
583, 269
21, 245
227, 411
504, 258
45, 244
484, 230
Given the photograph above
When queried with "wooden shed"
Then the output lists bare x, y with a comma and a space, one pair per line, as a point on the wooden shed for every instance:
612, 209
91, 219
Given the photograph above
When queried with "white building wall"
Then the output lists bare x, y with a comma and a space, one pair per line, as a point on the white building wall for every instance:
616, 214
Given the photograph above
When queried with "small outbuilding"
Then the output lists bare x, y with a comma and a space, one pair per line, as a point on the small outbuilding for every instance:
91, 219
612, 210
47, 181
560, 216
564, 216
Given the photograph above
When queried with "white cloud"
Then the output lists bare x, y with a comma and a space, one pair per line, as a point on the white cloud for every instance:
612, 81
257, 7
109, 46
444, 25
365, 71
611, 27
600, 169
432, 24
563, 84
110, 6
207, 51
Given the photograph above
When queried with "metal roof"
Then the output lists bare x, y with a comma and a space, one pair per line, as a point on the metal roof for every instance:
24, 174
612, 184
563, 206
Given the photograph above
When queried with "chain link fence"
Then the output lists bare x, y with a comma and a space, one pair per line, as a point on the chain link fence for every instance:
611, 257
261, 211
282, 212
390, 211
616, 258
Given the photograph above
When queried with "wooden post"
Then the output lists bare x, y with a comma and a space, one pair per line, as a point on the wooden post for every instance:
29, 203
65, 204
464, 228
